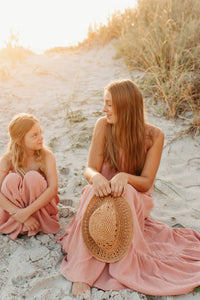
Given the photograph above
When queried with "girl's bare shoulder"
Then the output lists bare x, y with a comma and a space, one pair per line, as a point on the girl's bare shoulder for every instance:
47, 153
6, 162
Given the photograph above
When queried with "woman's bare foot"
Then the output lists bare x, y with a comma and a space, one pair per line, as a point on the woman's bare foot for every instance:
81, 290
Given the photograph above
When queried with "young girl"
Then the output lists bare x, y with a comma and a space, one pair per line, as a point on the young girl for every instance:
123, 160
28, 181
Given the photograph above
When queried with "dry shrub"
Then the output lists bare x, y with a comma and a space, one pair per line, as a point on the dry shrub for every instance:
165, 43
4, 72
13, 52
117, 26
161, 38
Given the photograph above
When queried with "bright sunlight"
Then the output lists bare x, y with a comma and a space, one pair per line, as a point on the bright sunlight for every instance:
43, 24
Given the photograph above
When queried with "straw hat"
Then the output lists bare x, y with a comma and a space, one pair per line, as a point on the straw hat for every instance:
107, 228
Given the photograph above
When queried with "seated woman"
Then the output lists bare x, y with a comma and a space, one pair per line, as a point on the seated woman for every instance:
123, 161
28, 181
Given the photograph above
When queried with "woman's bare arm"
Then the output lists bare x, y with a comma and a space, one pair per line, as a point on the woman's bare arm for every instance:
143, 182
95, 160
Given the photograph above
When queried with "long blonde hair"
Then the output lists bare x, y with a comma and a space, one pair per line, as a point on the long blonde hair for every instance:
125, 140
18, 128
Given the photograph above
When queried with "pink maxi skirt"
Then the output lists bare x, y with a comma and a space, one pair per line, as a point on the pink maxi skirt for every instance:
161, 260
23, 192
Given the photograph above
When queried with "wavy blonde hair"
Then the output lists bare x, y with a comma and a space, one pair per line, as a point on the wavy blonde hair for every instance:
125, 140
18, 128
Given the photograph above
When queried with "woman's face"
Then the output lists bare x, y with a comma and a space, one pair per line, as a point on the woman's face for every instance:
33, 139
108, 108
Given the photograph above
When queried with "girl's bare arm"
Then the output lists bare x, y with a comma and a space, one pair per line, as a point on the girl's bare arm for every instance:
23, 214
5, 167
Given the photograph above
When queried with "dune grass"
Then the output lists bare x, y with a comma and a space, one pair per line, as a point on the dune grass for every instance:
13, 53
164, 41
161, 38
158, 37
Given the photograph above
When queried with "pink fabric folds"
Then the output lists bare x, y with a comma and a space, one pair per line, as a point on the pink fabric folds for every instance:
161, 260
23, 192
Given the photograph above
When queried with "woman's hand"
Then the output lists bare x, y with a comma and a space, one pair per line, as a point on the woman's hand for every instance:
119, 184
32, 224
101, 185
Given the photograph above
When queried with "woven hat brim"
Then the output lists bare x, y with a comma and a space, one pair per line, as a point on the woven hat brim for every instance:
125, 229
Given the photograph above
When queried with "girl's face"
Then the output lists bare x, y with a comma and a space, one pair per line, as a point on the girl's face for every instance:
108, 109
33, 139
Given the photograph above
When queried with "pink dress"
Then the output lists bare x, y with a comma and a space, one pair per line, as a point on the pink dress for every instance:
23, 192
161, 261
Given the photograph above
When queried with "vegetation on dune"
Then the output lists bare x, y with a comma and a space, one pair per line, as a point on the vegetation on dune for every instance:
158, 37
11, 55
161, 38
164, 41
13, 52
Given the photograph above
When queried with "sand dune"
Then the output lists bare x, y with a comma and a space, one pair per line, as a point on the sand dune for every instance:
65, 93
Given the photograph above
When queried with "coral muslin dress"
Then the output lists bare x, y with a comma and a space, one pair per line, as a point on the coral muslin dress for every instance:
22, 192
161, 260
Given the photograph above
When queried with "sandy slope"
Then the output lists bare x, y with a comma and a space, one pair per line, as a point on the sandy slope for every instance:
65, 94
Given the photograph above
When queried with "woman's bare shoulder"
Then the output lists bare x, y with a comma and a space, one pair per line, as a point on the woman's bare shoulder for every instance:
101, 122
100, 126
154, 131
154, 135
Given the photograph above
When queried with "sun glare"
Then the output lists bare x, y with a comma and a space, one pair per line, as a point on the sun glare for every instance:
43, 24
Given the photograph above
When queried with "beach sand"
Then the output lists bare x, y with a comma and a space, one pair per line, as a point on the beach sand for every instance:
65, 92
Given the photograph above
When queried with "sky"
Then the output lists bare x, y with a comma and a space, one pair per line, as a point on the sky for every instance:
44, 24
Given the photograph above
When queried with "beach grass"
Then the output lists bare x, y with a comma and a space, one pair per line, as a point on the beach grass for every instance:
162, 39
13, 53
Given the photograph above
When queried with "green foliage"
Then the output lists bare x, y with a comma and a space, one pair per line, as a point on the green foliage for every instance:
165, 43
197, 289
161, 38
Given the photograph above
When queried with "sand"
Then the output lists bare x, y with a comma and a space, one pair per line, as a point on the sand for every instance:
65, 93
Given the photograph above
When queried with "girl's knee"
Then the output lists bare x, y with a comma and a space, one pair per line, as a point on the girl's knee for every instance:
11, 180
11, 186
34, 178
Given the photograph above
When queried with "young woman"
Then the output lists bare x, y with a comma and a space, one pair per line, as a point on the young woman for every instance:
123, 160
28, 181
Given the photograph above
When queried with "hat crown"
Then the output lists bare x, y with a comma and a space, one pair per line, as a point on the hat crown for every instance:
107, 227
103, 225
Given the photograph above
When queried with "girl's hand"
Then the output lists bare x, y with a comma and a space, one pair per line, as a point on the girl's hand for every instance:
119, 184
32, 224
21, 215
101, 185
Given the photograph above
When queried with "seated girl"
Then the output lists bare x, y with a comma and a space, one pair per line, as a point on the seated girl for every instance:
28, 181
